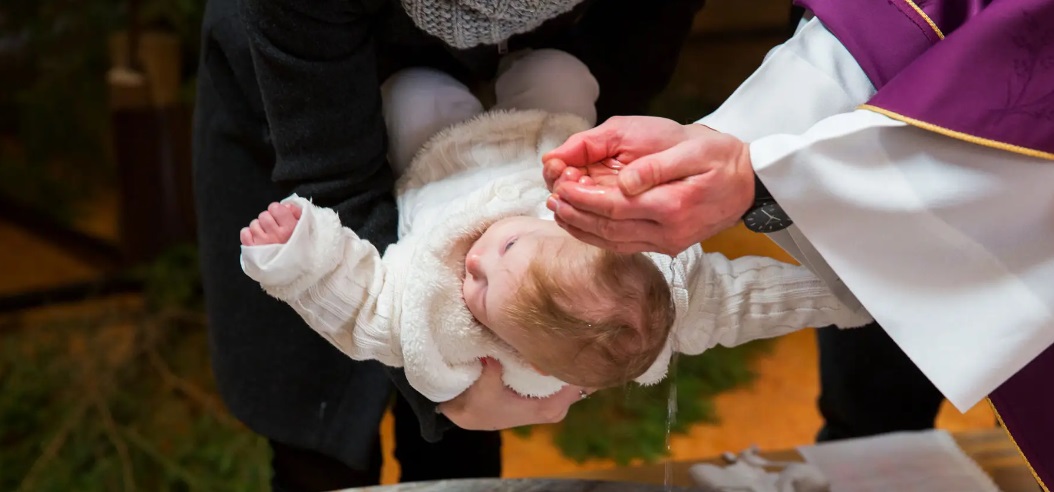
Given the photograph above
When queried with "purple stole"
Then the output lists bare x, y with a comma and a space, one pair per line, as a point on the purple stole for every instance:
980, 71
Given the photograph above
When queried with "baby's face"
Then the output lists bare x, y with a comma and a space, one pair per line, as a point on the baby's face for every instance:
496, 266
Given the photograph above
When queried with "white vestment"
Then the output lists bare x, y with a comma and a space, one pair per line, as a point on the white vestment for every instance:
949, 244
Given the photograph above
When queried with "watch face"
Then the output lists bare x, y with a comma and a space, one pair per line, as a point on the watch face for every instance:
767, 218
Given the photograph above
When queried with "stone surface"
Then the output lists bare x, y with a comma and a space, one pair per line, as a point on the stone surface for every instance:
524, 485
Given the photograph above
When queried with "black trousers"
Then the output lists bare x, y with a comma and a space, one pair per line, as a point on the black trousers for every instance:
869, 386
461, 454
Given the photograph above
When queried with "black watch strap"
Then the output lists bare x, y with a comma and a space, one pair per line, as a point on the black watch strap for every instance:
765, 215
761, 193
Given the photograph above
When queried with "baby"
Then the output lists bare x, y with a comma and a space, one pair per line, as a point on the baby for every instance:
481, 269
584, 315
486, 277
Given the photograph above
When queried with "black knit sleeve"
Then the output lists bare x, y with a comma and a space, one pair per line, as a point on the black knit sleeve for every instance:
315, 64
316, 68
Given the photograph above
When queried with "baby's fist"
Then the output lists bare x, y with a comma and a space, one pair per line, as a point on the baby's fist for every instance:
274, 225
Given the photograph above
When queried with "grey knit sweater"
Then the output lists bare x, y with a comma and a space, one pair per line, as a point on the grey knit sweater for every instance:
468, 23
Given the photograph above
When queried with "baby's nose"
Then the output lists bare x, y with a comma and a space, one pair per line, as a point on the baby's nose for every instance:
472, 265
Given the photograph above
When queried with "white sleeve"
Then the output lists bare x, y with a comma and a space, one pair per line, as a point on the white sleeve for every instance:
336, 281
947, 243
731, 302
802, 81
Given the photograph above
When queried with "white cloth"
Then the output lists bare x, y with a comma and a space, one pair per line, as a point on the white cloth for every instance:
949, 245
406, 309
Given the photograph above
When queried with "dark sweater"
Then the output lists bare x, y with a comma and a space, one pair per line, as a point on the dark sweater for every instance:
289, 101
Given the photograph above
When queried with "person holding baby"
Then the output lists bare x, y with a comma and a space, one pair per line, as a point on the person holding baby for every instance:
289, 101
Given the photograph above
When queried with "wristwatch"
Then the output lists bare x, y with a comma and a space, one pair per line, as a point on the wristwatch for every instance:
765, 215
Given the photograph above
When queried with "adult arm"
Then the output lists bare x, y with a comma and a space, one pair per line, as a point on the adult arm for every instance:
702, 180
316, 69
927, 228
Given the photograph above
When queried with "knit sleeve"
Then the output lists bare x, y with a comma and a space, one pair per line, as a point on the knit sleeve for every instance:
334, 280
315, 65
731, 302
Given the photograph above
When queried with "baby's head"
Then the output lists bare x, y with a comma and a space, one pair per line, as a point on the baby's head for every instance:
587, 316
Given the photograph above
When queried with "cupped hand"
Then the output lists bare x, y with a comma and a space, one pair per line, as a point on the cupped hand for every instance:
489, 405
603, 173
677, 185
620, 139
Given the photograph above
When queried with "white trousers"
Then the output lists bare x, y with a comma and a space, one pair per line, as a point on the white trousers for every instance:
419, 102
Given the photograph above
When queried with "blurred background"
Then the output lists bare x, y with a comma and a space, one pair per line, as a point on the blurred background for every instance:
104, 372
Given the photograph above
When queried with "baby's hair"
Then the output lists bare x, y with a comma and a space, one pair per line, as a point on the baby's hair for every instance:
603, 316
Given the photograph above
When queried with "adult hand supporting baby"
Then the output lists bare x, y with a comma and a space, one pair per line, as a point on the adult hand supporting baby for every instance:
489, 405
676, 184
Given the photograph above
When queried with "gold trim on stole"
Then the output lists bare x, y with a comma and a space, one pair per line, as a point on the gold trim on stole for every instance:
987, 142
1018, 448
925, 17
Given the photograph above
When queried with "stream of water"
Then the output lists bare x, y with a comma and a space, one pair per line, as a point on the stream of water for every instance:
671, 418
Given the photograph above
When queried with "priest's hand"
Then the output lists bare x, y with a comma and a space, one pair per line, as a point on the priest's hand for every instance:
489, 405
675, 185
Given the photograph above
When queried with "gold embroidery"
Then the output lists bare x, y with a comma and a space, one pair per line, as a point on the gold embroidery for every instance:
1018, 448
995, 144
925, 17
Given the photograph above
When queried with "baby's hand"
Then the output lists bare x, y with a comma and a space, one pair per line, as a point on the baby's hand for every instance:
274, 226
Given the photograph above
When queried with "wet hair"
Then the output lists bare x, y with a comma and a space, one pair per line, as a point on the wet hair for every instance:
602, 318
